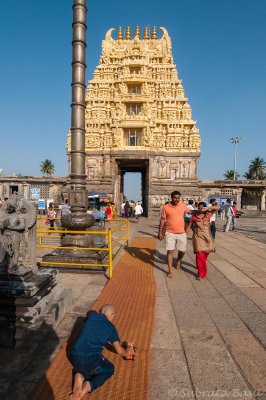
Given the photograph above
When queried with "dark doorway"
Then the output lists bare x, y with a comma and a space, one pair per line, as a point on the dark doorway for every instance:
142, 168
13, 189
251, 197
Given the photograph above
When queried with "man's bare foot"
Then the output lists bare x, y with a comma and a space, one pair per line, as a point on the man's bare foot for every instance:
178, 265
77, 389
169, 275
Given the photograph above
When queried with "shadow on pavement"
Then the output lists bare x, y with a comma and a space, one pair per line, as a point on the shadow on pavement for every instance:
141, 254
26, 365
149, 234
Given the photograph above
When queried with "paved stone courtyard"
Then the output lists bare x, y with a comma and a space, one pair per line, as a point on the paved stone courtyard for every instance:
209, 337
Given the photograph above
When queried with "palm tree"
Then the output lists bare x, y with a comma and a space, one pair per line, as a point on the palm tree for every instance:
229, 174
47, 167
256, 169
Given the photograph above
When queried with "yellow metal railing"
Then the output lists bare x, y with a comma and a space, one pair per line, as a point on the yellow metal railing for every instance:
114, 244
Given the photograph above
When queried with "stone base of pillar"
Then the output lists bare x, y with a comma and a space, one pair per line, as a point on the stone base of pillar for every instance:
27, 301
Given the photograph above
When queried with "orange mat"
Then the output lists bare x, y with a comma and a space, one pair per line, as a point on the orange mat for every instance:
132, 292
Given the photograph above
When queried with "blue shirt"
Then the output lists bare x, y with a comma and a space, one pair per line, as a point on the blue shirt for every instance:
96, 332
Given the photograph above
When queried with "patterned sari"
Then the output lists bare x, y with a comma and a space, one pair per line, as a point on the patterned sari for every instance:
202, 240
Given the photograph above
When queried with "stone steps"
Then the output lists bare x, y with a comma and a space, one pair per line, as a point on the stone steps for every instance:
253, 214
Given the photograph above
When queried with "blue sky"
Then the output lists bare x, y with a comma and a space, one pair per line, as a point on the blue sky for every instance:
218, 47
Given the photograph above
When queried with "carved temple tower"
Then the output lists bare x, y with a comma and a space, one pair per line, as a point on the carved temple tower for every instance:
138, 119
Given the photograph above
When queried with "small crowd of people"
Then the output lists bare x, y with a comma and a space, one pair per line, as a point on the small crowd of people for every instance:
176, 221
102, 211
131, 209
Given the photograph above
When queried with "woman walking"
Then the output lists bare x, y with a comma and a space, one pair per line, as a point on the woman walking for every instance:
202, 240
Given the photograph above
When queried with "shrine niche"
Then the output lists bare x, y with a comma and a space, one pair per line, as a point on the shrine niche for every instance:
136, 109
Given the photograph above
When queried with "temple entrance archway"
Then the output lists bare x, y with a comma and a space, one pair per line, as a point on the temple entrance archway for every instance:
140, 166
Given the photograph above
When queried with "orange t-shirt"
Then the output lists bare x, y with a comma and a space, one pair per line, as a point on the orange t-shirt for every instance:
174, 216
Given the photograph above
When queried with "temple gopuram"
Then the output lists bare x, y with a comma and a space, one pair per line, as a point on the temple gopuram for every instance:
139, 120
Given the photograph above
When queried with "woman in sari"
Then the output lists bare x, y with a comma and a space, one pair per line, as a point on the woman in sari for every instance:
202, 240
108, 211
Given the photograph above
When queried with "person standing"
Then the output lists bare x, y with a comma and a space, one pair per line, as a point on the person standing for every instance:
113, 207
228, 215
234, 208
108, 212
123, 209
222, 212
213, 218
172, 220
138, 211
127, 209
202, 240
188, 216
51, 214
65, 209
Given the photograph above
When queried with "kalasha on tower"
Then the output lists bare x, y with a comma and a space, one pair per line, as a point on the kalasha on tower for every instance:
139, 120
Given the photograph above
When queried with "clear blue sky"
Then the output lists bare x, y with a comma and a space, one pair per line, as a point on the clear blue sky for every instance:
218, 47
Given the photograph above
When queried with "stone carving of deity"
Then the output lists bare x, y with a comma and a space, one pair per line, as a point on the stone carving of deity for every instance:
90, 172
185, 141
100, 167
116, 137
106, 163
119, 110
163, 168
17, 243
184, 170
147, 136
172, 174
159, 142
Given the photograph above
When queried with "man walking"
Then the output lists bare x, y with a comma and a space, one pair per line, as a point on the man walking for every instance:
228, 215
172, 220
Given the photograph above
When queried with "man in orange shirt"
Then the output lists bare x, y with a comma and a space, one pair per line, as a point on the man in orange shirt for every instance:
172, 220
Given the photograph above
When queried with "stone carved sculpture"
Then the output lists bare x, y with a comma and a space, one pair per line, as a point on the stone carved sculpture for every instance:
17, 245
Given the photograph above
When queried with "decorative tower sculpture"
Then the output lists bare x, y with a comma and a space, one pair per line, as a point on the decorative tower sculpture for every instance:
138, 119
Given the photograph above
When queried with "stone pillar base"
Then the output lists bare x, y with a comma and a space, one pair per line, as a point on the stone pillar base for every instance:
29, 300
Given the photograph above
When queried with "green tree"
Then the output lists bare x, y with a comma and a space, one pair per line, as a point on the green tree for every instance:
47, 167
229, 174
256, 170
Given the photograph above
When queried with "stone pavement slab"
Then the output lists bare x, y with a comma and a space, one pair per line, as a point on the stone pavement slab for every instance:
248, 354
257, 295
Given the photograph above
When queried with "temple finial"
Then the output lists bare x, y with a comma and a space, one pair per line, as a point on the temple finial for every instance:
154, 33
128, 34
137, 32
120, 33
146, 35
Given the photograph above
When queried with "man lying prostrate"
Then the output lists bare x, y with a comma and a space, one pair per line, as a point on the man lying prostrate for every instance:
91, 368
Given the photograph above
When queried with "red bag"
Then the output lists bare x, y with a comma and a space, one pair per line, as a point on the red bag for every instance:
46, 222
